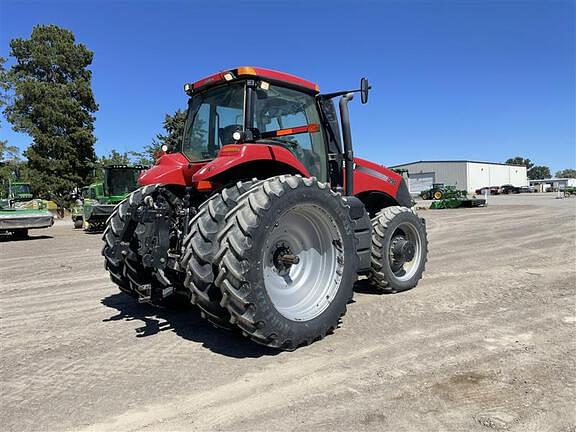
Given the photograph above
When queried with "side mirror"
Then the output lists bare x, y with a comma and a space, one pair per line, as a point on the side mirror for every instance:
364, 88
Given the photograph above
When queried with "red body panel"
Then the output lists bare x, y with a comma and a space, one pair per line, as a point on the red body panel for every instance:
249, 153
173, 169
369, 176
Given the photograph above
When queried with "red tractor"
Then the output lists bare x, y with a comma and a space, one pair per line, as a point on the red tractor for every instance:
263, 218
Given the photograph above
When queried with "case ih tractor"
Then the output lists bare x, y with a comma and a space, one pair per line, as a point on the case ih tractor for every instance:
263, 218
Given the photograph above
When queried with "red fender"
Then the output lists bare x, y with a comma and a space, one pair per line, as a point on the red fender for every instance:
170, 169
369, 176
234, 155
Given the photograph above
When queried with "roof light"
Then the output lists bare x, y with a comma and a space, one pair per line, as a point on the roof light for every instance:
228, 76
264, 85
237, 136
246, 71
188, 88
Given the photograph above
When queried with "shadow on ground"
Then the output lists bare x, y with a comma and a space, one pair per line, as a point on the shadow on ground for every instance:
185, 322
362, 286
32, 237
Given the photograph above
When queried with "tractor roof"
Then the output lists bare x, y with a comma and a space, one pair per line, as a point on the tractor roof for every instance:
267, 74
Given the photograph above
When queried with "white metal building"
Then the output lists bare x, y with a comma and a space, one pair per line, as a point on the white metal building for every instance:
553, 183
464, 174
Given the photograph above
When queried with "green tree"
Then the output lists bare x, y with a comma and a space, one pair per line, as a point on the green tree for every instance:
114, 158
566, 173
174, 127
520, 161
53, 103
539, 172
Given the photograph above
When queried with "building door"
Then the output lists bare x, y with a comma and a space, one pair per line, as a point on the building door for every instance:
420, 181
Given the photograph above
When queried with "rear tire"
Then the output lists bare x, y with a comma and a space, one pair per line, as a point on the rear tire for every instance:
78, 223
201, 245
273, 299
127, 271
393, 229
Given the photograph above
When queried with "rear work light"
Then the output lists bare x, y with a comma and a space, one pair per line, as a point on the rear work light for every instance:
229, 150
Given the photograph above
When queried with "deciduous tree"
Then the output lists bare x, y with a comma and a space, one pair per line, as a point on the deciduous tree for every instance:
566, 173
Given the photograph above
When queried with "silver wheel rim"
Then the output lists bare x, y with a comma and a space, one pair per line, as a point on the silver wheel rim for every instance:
402, 269
309, 237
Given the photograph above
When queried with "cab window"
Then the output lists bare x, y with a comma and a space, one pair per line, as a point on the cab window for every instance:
280, 108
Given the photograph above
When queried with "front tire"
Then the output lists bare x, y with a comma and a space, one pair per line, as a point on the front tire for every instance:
287, 262
399, 249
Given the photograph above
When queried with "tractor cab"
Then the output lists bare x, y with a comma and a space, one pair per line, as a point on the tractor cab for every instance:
253, 105
20, 191
120, 180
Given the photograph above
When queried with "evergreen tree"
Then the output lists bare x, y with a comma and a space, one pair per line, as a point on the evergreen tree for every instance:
53, 103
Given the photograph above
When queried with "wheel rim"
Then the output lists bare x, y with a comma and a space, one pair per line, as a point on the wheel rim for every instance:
437, 195
405, 252
303, 262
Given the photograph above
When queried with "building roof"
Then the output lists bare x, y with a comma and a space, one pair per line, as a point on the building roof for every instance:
552, 179
454, 161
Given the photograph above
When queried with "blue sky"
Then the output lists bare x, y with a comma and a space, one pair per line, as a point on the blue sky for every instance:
482, 80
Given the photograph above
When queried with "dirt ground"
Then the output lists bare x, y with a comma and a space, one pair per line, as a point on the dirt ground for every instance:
486, 341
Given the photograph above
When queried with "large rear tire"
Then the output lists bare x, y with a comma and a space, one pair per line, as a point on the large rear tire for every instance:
124, 273
287, 261
128, 271
201, 245
399, 249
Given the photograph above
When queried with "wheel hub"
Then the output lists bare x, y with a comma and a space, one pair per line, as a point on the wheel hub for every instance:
402, 249
283, 259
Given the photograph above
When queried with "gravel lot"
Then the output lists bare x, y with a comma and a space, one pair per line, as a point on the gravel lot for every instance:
486, 341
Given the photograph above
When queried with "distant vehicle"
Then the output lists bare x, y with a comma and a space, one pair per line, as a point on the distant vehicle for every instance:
509, 189
527, 189
492, 190
97, 201
20, 213
437, 191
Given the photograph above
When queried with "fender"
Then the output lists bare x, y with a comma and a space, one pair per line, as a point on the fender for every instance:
369, 176
171, 169
234, 155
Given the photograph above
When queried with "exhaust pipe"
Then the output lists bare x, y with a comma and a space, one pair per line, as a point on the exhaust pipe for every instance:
347, 137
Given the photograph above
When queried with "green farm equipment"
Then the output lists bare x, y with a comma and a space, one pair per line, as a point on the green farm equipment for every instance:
20, 213
569, 191
454, 198
437, 192
99, 199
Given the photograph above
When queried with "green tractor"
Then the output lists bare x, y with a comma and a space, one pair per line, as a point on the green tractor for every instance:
97, 201
19, 213
437, 192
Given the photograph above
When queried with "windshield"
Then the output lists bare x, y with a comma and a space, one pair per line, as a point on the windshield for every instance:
213, 116
121, 181
21, 189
